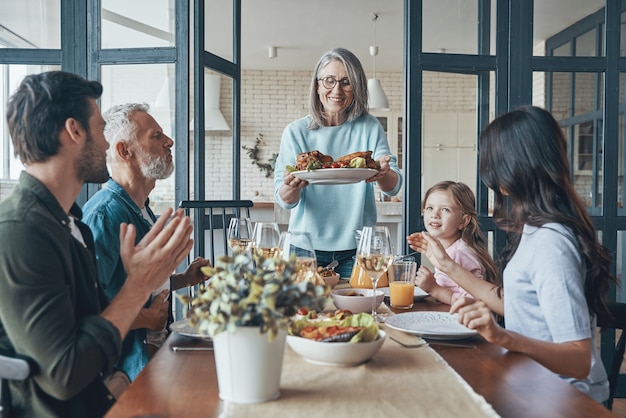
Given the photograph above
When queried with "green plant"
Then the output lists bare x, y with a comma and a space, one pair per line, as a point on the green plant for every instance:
253, 153
242, 293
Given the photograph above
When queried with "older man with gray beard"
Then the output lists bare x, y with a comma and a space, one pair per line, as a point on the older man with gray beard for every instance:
139, 154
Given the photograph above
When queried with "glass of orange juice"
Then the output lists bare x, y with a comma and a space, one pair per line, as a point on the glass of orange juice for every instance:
402, 282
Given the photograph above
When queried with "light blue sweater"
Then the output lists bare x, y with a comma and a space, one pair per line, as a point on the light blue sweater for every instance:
331, 213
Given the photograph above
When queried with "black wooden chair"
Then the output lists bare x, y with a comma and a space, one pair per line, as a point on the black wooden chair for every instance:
211, 219
618, 322
11, 368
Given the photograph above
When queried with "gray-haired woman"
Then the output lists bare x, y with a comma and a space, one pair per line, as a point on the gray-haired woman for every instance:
338, 124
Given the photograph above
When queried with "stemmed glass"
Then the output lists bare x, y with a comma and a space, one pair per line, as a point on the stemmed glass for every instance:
240, 234
299, 245
265, 240
375, 254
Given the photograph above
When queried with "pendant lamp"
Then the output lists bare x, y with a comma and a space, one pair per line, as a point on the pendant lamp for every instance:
377, 99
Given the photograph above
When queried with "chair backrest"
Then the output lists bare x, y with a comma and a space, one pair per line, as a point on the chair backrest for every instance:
11, 368
618, 322
211, 219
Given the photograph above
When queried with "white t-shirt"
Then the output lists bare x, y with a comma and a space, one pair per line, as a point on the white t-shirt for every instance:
544, 297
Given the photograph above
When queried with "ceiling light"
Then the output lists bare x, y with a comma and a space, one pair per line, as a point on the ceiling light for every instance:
377, 99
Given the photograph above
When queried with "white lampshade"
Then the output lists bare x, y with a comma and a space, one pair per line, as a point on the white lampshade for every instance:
377, 97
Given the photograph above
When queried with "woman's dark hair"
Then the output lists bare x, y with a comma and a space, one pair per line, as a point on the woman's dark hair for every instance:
38, 109
471, 234
523, 156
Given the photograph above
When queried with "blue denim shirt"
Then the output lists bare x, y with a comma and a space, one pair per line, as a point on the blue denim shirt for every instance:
104, 212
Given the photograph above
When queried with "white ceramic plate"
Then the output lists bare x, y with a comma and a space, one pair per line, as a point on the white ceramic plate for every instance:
184, 328
433, 325
335, 175
417, 293
335, 354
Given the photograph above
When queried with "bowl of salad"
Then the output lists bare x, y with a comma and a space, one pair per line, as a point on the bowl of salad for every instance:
341, 340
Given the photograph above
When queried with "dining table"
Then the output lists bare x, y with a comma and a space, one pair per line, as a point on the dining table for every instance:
180, 381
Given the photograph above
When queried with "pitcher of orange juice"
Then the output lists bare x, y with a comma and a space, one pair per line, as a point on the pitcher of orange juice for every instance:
361, 279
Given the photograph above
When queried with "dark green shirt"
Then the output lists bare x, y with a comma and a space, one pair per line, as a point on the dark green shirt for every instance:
49, 307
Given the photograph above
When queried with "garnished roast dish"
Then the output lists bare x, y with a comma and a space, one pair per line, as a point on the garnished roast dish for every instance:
311, 160
360, 159
314, 160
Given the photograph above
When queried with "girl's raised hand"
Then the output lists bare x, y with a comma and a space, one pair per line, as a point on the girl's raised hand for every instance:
425, 279
430, 247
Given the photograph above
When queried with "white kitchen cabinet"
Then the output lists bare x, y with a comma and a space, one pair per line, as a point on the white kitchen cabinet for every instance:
449, 144
449, 151
392, 125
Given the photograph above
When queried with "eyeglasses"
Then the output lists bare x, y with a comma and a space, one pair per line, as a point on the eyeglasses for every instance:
329, 82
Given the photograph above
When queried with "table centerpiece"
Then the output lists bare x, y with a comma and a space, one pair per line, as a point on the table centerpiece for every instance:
245, 307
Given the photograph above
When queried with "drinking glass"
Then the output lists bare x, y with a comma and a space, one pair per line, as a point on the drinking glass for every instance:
374, 255
240, 234
265, 240
299, 245
402, 282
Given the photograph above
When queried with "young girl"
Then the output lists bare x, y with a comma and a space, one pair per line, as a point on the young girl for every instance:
556, 274
450, 216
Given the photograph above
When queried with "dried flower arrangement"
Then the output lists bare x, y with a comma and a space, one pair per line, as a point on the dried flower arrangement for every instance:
264, 294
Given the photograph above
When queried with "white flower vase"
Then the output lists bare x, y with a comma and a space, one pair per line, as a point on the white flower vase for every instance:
248, 365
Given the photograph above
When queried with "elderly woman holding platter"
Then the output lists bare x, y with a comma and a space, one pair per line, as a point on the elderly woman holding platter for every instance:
333, 204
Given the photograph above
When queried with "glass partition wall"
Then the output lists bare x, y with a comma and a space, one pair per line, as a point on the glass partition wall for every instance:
491, 56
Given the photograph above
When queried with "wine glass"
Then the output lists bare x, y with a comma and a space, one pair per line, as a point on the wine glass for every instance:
265, 240
240, 234
298, 244
374, 255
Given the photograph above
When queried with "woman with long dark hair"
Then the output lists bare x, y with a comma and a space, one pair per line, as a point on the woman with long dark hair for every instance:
555, 272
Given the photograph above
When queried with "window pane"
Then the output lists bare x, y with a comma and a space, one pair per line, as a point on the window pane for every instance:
551, 18
564, 50
460, 17
10, 78
585, 93
137, 23
449, 128
586, 44
218, 140
30, 24
575, 101
154, 85
218, 35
